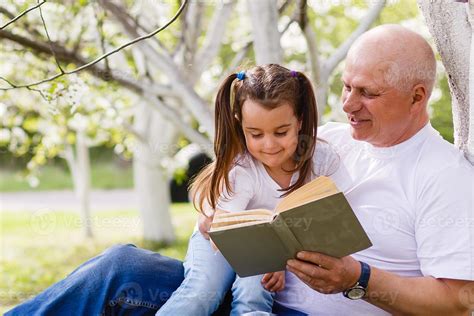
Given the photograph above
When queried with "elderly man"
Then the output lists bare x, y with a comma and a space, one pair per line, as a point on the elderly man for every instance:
411, 190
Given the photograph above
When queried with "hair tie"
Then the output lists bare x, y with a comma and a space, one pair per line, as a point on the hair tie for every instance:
241, 75
294, 74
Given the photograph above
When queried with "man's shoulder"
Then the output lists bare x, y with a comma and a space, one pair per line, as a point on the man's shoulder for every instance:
438, 154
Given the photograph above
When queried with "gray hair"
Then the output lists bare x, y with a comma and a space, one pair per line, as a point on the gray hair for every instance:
405, 58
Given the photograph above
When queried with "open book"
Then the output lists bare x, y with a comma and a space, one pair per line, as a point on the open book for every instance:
315, 217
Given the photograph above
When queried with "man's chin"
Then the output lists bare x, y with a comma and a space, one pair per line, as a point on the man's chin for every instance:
358, 135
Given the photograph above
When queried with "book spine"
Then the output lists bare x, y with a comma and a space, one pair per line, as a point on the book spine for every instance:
286, 236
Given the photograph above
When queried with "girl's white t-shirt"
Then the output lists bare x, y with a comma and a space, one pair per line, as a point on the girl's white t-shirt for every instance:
253, 188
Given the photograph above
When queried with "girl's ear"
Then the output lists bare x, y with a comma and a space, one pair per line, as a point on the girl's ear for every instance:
236, 117
300, 124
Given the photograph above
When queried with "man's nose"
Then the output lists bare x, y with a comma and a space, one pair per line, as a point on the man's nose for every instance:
351, 102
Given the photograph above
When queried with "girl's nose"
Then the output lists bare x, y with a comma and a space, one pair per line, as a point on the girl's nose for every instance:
269, 143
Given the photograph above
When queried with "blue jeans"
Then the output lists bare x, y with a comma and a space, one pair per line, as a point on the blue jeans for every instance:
123, 280
207, 279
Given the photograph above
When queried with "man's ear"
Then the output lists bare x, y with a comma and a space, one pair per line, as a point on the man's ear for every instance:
419, 98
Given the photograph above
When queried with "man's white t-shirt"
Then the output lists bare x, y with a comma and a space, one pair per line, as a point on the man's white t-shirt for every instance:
414, 200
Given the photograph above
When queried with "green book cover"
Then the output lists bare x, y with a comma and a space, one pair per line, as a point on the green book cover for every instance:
326, 225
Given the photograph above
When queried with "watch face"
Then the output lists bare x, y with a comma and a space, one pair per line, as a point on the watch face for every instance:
356, 293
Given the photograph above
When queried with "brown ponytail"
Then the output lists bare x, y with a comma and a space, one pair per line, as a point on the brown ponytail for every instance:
269, 85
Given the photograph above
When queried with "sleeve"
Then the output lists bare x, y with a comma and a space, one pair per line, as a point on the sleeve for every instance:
326, 160
243, 187
444, 227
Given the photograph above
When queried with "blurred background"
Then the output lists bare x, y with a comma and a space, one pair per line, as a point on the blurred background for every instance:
104, 155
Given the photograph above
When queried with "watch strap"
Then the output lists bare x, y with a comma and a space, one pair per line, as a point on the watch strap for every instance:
354, 292
364, 275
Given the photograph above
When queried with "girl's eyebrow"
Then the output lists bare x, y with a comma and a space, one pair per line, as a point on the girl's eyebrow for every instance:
254, 128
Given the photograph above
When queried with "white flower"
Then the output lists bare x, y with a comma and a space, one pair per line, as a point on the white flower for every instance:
19, 134
5, 135
119, 148
78, 122
32, 181
3, 109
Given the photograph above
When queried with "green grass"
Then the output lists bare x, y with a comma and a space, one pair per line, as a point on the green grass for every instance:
38, 250
104, 175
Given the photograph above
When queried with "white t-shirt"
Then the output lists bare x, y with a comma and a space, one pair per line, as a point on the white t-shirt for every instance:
414, 200
253, 187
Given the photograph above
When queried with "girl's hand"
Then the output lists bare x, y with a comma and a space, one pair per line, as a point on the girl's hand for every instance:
204, 224
274, 281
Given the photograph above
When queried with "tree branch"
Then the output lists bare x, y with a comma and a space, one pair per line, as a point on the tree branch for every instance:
282, 8
27, 26
191, 31
191, 100
103, 56
213, 41
264, 18
4, 11
100, 31
49, 40
22, 14
330, 64
190, 133
311, 41
68, 56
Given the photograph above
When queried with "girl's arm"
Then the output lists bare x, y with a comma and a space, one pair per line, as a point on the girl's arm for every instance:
204, 224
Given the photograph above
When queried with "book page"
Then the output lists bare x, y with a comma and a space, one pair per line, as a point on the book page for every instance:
225, 214
224, 219
317, 189
235, 225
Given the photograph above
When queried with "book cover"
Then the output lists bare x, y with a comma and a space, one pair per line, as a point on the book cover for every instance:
263, 243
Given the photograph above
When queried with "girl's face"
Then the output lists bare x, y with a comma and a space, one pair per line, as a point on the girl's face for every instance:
271, 135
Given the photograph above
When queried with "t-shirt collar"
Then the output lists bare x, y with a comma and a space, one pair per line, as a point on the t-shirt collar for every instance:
415, 140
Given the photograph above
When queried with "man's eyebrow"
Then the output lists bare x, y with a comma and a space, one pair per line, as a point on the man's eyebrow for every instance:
365, 87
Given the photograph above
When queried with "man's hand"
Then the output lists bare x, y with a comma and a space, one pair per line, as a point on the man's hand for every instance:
204, 224
274, 281
323, 273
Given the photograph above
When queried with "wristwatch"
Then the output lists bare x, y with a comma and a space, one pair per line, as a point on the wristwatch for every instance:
359, 290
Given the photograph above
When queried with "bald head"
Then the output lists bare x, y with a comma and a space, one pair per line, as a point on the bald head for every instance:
404, 57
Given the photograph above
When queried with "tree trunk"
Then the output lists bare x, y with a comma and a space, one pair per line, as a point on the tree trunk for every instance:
266, 37
470, 143
79, 166
449, 25
150, 179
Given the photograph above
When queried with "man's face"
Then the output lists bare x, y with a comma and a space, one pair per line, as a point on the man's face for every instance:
378, 113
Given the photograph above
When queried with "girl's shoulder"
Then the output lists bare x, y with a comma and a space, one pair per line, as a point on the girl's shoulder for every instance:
326, 160
243, 180
244, 167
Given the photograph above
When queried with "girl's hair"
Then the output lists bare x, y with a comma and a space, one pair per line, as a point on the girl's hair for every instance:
270, 85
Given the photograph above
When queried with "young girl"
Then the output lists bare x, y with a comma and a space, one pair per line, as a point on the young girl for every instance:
266, 124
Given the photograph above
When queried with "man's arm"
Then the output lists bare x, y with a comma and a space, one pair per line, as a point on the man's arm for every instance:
388, 291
